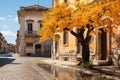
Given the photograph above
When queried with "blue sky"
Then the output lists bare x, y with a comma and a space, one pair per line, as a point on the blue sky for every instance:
8, 16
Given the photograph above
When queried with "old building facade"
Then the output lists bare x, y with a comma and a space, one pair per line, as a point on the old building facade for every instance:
11, 47
27, 38
3, 44
68, 49
17, 42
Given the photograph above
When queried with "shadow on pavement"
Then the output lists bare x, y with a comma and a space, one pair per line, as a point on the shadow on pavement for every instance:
113, 71
46, 67
4, 61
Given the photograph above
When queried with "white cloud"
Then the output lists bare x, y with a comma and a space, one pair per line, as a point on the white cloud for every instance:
9, 18
2, 18
16, 18
11, 41
8, 33
5, 26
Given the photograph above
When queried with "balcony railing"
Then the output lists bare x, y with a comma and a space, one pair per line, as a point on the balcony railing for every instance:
31, 34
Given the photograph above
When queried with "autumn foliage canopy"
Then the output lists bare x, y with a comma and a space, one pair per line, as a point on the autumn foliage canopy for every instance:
103, 13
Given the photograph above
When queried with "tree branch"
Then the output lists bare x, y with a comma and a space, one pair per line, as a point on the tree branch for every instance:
74, 33
81, 31
90, 28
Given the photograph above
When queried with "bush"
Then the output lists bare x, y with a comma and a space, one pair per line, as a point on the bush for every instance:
87, 65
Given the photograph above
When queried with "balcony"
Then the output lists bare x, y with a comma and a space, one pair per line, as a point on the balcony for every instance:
31, 34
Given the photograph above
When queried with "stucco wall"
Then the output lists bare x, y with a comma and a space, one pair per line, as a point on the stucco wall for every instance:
35, 17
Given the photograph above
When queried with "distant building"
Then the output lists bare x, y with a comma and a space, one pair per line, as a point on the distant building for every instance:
1, 39
17, 42
27, 38
11, 48
3, 44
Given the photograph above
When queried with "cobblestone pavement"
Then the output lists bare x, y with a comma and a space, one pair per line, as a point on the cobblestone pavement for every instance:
21, 68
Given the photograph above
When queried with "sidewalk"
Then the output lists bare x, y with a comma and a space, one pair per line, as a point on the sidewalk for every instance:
59, 63
111, 72
108, 70
15, 55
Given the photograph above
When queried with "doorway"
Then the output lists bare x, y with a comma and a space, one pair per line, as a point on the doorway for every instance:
38, 49
102, 45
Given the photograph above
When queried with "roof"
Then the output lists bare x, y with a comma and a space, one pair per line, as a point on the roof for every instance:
29, 9
36, 8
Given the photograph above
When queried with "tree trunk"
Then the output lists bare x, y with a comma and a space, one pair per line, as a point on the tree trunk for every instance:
85, 52
85, 46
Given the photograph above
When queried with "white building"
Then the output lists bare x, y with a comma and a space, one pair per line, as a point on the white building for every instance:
30, 21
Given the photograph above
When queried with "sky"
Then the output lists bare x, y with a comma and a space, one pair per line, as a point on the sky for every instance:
9, 19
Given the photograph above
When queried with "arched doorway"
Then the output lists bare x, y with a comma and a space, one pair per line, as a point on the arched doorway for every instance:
38, 49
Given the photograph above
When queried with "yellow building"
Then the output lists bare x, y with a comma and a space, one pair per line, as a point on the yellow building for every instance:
68, 49
27, 38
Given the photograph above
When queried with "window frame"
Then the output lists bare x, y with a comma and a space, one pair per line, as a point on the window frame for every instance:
29, 27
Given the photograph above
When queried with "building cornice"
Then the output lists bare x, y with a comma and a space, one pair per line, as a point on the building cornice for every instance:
35, 9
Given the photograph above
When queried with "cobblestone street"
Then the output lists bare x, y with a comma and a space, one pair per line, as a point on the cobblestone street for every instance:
13, 67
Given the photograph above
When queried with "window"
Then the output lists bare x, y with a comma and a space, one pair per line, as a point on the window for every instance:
40, 24
29, 44
65, 37
38, 46
29, 26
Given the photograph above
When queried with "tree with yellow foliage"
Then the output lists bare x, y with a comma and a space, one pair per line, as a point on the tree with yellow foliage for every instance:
86, 17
